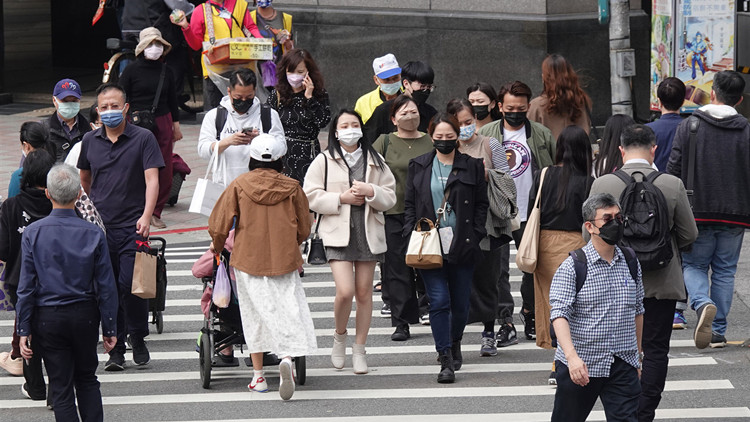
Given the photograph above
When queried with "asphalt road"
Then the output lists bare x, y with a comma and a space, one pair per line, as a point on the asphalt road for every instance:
705, 385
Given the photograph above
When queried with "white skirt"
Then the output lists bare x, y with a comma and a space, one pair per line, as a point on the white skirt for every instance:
275, 315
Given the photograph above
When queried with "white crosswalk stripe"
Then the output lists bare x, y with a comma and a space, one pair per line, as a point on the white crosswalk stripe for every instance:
511, 386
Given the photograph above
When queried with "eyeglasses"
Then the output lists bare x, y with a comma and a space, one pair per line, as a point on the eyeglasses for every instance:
607, 218
429, 88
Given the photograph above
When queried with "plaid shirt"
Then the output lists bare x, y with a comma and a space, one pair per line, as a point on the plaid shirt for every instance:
602, 314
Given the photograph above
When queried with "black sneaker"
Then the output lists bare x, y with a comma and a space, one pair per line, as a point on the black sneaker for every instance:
506, 335
702, 335
488, 344
140, 351
529, 324
717, 341
401, 333
552, 380
116, 362
385, 310
25, 392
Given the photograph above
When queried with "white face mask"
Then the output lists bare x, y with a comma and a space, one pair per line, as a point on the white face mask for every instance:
349, 136
153, 52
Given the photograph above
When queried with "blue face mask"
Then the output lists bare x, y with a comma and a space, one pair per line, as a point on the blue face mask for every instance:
68, 110
467, 132
264, 3
111, 118
390, 89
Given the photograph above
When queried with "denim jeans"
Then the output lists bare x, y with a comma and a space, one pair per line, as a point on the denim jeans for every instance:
717, 248
449, 290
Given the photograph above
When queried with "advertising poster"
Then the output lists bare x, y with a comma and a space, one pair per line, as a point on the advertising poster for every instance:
705, 45
662, 46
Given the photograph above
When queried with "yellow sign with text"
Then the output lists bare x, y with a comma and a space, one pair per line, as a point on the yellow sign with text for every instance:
257, 49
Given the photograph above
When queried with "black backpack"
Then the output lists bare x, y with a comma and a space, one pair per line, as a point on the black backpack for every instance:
580, 264
221, 118
646, 214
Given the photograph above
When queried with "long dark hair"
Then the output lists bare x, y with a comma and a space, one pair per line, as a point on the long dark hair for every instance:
490, 92
289, 61
36, 135
610, 158
334, 146
565, 97
574, 157
35, 168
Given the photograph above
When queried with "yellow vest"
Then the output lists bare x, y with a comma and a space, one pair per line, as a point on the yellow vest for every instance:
285, 18
367, 103
221, 30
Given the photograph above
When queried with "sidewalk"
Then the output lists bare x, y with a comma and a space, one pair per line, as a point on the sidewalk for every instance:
176, 218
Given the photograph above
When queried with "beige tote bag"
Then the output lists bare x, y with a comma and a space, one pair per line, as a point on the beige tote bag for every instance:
528, 250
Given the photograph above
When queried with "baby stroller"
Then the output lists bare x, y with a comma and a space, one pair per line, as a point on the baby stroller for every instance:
223, 328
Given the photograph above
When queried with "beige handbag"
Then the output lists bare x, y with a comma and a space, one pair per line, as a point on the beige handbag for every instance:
424, 251
528, 250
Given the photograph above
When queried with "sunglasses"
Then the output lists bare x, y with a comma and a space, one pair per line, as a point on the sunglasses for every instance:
607, 218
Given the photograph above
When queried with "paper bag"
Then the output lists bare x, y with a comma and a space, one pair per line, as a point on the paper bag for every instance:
144, 275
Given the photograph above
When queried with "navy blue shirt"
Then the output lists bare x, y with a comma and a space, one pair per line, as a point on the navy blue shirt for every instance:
664, 129
65, 260
118, 185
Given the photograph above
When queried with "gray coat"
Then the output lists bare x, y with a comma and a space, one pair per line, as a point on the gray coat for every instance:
665, 283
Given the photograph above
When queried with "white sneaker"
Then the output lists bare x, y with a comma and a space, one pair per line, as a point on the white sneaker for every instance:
258, 385
424, 319
13, 366
286, 387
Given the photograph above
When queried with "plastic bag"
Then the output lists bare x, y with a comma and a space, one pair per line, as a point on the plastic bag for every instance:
222, 287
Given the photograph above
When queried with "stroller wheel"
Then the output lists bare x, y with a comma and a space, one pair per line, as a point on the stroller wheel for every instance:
205, 360
300, 368
159, 322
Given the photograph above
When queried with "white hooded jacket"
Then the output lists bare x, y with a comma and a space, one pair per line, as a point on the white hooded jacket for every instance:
236, 157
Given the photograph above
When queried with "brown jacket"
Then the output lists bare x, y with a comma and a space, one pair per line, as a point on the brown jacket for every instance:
272, 221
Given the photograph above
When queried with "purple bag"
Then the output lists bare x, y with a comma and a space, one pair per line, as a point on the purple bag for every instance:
268, 70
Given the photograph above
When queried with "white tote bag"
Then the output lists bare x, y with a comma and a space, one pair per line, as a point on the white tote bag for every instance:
207, 192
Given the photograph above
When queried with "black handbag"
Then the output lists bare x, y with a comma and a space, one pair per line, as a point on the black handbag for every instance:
317, 254
146, 118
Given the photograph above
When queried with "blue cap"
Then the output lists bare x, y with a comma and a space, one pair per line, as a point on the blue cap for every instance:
67, 88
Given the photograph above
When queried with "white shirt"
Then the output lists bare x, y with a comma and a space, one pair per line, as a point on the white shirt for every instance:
519, 161
352, 158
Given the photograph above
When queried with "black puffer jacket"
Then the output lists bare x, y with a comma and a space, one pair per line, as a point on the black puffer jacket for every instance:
15, 214
468, 198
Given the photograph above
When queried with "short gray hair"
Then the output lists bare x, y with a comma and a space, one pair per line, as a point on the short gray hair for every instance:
596, 202
63, 184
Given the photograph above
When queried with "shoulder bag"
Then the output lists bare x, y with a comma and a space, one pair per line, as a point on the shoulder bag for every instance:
528, 250
317, 254
147, 118
424, 251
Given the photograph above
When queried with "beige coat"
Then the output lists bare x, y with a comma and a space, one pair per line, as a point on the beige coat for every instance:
334, 223
667, 282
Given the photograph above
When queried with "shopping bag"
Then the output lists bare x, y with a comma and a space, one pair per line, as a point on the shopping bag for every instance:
222, 287
528, 249
144, 271
424, 250
207, 191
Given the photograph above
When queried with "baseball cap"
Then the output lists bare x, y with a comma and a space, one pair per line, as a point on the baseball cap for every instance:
386, 66
267, 148
67, 88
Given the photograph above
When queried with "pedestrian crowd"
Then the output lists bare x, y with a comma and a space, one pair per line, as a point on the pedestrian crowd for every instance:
622, 241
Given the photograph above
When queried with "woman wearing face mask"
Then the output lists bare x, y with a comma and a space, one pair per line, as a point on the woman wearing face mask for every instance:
483, 99
34, 136
448, 187
566, 186
400, 283
563, 102
302, 102
141, 80
471, 143
350, 187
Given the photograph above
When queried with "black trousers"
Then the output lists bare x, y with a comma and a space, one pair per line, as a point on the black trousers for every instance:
619, 394
32, 368
66, 337
527, 281
505, 301
657, 331
402, 286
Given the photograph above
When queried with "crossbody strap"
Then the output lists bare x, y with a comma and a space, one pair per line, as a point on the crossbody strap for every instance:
159, 87
693, 123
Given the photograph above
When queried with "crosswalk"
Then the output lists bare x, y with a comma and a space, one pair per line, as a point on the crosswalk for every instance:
400, 386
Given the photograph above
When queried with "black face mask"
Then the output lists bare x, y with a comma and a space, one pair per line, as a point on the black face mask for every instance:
515, 118
612, 232
420, 97
445, 147
242, 106
481, 111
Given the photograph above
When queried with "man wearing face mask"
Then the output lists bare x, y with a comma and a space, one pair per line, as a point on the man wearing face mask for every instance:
233, 125
664, 286
388, 80
417, 80
530, 147
119, 165
67, 125
598, 324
